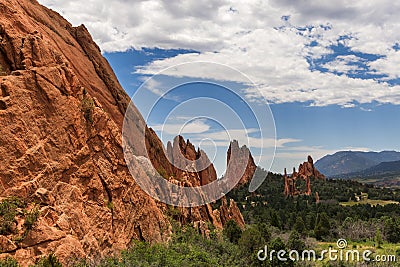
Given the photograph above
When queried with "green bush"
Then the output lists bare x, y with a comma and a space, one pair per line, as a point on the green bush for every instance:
49, 261
186, 248
31, 218
392, 230
8, 211
251, 241
299, 226
398, 252
161, 171
322, 226
8, 262
295, 242
232, 231
277, 245
87, 108
110, 205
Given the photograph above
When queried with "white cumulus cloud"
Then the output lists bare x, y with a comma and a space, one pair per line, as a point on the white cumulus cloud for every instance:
267, 40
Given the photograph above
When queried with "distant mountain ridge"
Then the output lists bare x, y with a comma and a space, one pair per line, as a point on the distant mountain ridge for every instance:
351, 162
382, 169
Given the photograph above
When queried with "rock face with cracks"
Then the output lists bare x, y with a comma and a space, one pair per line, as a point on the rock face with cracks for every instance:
241, 162
61, 115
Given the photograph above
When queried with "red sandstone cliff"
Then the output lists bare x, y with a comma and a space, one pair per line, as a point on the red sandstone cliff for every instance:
61, 114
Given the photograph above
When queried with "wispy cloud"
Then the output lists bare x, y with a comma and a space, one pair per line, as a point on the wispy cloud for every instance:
193, 127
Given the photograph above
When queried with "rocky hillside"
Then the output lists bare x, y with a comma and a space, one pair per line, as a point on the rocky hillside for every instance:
345, 162
60, 142
61, 114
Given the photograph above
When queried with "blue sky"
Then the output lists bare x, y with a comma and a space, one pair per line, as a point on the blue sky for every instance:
318, 129
329, 70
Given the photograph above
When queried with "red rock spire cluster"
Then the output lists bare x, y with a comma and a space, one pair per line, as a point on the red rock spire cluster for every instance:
239, 160
305, 172
181, 164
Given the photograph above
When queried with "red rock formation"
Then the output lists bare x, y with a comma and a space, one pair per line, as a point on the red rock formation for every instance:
187, 166
231, 213
306, 171
177, 160
61, 112
157, 155
288, 184
183, 154
240, 162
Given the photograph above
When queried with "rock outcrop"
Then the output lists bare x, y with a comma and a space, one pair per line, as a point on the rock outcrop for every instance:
181, 164
307, 169
305, 172
240, 161
61, 113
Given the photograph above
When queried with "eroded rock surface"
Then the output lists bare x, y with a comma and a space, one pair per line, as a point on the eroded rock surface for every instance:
181, 164
61, 116
240, 162
305, 172
61, 113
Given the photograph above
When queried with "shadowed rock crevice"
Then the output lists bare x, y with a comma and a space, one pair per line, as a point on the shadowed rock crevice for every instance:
3, 105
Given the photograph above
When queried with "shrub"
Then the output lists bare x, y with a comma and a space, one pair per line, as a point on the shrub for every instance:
8, 211
378, 238
110, 205
265, 231
49, 261
186, 248
277, 245
31, 218
8, 262
295, 242
299, 226
398, 252
322, 226
161, 171
392, 230
232, 231
174, 212
87, 108
251, 241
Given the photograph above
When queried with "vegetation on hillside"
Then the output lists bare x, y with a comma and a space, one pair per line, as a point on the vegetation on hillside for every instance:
294, 223
327, 220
